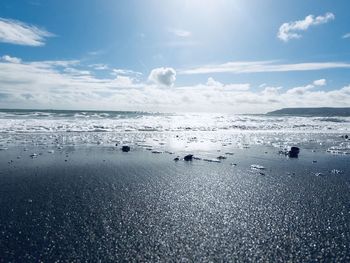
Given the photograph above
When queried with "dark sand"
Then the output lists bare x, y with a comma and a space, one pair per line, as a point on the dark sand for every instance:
102, 204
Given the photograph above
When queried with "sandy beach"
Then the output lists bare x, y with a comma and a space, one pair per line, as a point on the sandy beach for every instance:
97, 203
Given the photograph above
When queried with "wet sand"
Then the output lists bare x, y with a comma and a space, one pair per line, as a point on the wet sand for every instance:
98, 203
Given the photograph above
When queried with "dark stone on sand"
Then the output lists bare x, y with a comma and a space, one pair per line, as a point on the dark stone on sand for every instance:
221, 157
188, 157
116, 144
176, 159
294, 152
126, 148
346, 136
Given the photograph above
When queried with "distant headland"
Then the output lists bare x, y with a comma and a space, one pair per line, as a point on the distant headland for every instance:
323, 111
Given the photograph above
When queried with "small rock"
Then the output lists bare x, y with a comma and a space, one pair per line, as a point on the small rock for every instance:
157, 152
293, 152
233, 164
126, 148
188, 157
221, 157
314, 161
176, 159
346, 137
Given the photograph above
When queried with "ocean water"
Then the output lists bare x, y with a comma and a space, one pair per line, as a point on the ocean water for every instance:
172, 132
107, 121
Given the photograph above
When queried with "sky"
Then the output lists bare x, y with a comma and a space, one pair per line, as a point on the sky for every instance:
234, 56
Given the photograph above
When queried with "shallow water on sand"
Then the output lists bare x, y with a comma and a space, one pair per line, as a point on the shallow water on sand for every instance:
90, 203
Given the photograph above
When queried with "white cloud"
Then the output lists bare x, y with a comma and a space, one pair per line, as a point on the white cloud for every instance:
10, 59
227, 87
19, 33
48, 84
347, 35
262, 66
320, 82
180, 32
163, 76
300, 90
126, 72
99, 66
288, 31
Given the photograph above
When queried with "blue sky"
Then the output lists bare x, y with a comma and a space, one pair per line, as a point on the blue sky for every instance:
220, 55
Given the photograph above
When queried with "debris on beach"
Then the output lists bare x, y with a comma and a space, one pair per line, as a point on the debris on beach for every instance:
233, 164
157, 152
257, 167
188, 157
221, 157
319, 174
212, 160
34, 155
336, 171
126, 148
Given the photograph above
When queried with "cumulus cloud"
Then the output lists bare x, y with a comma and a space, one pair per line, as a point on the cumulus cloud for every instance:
240, 67
19, 33
320, 82
163, 76
288, 31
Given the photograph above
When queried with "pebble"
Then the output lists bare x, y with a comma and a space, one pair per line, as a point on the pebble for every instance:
188, 157
126, 148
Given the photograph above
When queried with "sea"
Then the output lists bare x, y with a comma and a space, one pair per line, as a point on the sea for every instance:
173, 131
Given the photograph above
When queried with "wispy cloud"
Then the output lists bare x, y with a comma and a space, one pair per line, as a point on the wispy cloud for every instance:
347, 35
262, 66
180, 32
126, 72
290, 30
19, 33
